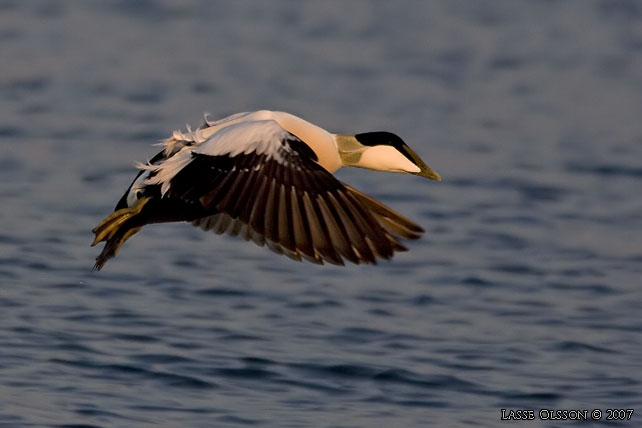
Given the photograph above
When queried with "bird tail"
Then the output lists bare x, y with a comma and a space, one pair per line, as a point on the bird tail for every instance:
115, 229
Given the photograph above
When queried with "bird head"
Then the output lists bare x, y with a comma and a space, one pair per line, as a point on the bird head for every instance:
382, 151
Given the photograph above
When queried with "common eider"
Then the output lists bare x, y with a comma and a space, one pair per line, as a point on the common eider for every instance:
266, 176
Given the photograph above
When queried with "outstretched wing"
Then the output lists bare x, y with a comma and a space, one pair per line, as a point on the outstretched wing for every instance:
264, 184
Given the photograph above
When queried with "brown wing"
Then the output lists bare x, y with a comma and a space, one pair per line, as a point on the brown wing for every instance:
291, 204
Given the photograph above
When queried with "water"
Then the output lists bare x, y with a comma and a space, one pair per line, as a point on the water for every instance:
524, 294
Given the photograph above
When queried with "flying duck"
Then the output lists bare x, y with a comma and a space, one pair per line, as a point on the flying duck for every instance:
266, 176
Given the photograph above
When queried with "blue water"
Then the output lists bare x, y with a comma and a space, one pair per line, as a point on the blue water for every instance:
525, 293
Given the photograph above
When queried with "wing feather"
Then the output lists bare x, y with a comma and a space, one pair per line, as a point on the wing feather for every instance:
256, 219
239, 207
285, 225
353, 234
335, 231
270, 214
300, 228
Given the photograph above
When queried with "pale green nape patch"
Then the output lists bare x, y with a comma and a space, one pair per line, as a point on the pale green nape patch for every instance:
350, 150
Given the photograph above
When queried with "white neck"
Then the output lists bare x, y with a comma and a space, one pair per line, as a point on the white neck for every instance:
319, 140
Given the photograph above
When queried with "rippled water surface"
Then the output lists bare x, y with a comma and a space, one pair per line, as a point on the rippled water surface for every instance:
525, 292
